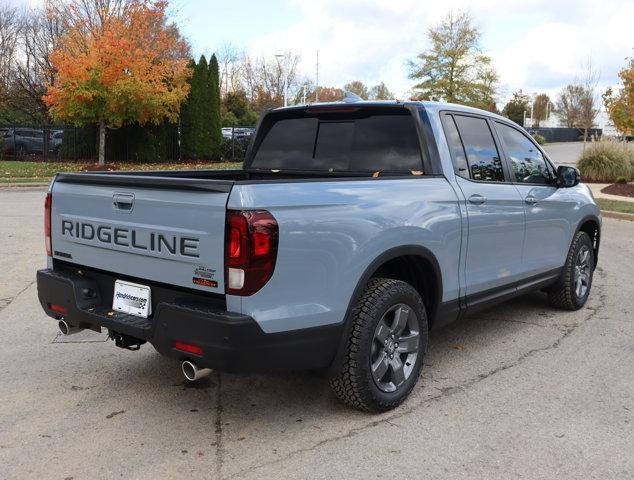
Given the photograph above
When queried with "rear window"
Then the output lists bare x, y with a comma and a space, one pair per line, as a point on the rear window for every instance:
340, 142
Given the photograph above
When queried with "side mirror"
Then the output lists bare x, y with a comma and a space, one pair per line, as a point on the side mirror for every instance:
567, 176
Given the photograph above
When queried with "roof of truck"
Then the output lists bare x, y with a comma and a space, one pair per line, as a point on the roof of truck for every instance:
428, 105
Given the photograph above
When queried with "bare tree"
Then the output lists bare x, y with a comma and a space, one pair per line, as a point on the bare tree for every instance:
229, 61
306, 93
32, 69
90, 16
11, 24
265, 79
589, 100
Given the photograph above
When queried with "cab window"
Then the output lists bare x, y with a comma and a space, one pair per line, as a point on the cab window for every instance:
527, 162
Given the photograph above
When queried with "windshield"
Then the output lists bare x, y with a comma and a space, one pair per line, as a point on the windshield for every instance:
341, 141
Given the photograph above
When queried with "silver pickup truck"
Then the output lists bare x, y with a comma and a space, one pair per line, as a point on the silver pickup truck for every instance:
352, 229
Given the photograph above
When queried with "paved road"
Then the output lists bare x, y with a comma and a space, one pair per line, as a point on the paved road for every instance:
564, 153
520, 391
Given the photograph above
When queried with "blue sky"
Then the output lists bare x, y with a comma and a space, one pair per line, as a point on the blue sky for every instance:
208, 24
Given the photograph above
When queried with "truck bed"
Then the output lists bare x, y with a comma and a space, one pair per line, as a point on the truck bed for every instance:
215, 180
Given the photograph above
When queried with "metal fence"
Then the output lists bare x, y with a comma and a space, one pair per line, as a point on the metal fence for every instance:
564, 134
150, 144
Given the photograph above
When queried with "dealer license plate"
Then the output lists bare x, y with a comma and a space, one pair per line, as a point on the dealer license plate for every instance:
132, 298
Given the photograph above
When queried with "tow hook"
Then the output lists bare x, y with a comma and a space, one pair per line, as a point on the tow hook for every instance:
125, 341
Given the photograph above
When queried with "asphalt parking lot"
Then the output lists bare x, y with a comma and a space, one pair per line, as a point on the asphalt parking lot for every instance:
565, 153
519, 391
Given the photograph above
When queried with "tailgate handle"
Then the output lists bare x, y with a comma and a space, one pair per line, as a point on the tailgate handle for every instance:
123, 201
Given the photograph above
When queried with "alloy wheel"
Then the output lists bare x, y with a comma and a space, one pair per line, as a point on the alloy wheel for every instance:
583, 272
395, 347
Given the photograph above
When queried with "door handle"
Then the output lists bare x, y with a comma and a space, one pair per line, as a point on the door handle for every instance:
531, 200
477, 199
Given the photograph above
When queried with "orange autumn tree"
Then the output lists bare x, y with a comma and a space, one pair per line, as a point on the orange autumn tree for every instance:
119, 63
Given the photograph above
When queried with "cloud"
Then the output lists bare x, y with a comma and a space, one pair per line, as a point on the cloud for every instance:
536, 45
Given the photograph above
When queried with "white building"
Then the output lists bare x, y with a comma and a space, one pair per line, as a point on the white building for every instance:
602, 121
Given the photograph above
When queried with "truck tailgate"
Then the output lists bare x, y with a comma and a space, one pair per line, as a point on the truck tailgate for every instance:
169, 235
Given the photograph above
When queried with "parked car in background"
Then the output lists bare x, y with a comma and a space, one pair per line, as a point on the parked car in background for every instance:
56, 141
237, 132
23, 141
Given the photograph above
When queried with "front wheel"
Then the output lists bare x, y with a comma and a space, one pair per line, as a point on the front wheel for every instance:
385, 347
573, 287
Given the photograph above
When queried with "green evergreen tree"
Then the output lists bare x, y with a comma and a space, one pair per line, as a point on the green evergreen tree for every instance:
189, 149
214, 124
201, 133
204, 117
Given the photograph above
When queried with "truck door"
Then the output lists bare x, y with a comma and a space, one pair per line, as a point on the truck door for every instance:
495, 208
548, 230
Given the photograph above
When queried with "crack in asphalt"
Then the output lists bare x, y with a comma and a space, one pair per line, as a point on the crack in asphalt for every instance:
218, 430
6, 301
523, 322
446, 391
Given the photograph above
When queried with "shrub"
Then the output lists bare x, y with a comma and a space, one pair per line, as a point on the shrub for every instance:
539, 139
229, 119
622, 180
606, 160
235, 153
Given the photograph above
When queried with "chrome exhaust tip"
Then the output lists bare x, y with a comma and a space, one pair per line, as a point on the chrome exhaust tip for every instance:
66, 329
193, 372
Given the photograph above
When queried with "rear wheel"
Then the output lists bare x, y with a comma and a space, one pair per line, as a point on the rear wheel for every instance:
385, 347
573, 287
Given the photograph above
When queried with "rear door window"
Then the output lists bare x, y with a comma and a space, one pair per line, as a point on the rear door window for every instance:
458, 157
483, 157
373, 143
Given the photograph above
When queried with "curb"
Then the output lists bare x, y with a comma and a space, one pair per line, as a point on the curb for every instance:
24, 185
618, 215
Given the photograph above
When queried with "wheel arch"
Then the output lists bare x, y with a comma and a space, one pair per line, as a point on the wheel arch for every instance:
591, 225
410, 263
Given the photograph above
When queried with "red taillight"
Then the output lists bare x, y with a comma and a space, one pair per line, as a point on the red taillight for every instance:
58, 308
252, 238
238, 236
47, 223
186, 347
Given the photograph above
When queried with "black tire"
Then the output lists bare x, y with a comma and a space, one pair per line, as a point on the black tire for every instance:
354, 382
565, 294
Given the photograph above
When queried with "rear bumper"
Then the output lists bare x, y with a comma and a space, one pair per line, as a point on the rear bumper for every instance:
229, 341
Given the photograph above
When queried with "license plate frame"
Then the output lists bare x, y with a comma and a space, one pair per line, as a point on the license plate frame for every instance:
132, 298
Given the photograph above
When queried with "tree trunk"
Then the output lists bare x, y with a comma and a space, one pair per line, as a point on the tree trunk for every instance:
102, 143
585, 137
